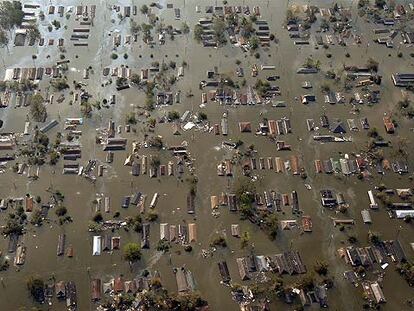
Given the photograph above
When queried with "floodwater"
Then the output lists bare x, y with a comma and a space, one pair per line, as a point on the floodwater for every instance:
117, 182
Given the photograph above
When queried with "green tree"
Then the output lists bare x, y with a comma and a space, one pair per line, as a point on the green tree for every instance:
321, 267
149, 103
245, 189
372, 64
146, 29
36, 218
144, 9
135, 27
202, 116
245, 239
312, 63
13, 226
254, 43
163, 246
185, 28
130, 118
155, 162
198, 32
152, 216
362, 3
35, 285
219, 28
290, 16
173, 115
272, 224
4, 40
135, 78
11, 14
86, 109
54, 157
380, 3
61, 211
132, 252
374, 237
59, 84
262, 87
37, 108
56, 23
306, 282
98, 217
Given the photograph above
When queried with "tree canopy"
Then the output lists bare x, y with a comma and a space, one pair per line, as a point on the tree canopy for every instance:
37, 108
132, 252
11, 14
4, 40
35, 285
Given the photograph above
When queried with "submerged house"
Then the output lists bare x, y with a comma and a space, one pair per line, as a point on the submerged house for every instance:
96, 249
245, 127
96, 289
337, 128
145, 243
60, 290
224, 271
389, 125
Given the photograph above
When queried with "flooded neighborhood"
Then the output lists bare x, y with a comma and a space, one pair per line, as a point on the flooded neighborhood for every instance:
206, 155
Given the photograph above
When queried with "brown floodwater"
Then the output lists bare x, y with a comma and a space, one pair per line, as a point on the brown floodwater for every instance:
206, 149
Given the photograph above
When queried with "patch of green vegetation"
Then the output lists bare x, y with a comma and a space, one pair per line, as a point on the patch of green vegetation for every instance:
132, 252
173, 115
36, 218
151, 216
198, 32
163, 246
61, 211
261, 87
130, 118
37, 108
35, 286
59, 84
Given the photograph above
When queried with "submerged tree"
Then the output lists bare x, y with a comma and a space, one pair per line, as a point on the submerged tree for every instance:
11, 14
4, 40
59, 84
144, 9
245, 239
198, 32
35, 285
37, 108
372, 65
321, 267
132, 252
219, 27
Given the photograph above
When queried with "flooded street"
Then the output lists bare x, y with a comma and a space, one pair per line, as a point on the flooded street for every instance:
207, 151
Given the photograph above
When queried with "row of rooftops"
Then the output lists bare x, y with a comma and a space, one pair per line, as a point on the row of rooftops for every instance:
32, 73
403, 79
291, 164
62, 291
228, 10
342, 165
376, 254
358, 165
288, 262
330, 199
118, 285
182, 234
